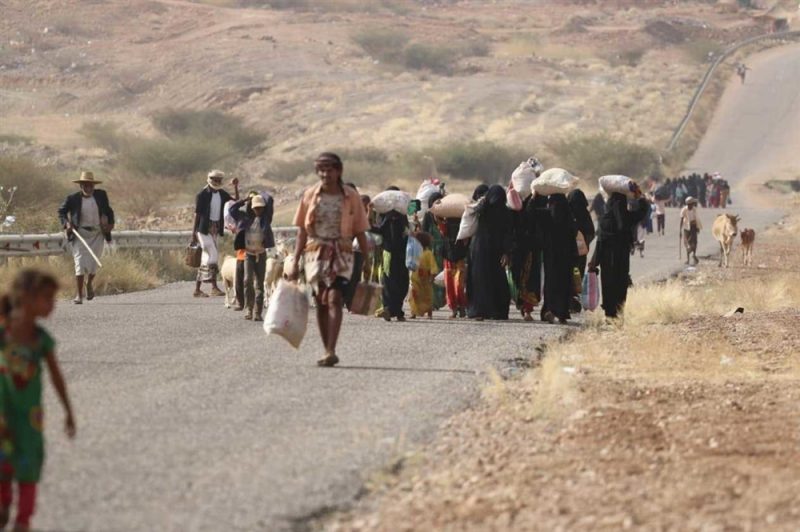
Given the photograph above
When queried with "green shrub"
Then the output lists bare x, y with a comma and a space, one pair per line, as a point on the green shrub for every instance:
211, 125
483, 160
386, 44
38, 195
436, 58
103, 134
600, 154
699, 49
180, 157
16, 139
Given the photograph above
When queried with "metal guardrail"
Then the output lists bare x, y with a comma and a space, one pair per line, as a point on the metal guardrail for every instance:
52, 244
710, 73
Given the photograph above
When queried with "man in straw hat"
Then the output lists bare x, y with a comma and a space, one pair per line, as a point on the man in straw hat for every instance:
690, 227
87, 213
208, 226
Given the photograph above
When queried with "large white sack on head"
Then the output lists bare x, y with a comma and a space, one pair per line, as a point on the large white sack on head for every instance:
554, 181
426, 190
617, 183
451, 206
391, 200
523, 177
469, 221
287, 313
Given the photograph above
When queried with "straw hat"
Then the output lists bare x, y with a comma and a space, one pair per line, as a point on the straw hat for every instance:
87, 177
215, 175
258, 201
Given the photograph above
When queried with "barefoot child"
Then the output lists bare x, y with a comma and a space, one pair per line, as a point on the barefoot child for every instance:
422, 280
23, 345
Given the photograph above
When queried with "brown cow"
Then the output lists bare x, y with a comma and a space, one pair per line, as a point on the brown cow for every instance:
725, 231
748, 238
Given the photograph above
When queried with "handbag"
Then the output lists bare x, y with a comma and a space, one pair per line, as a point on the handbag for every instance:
194, 254
583, 249
366, 299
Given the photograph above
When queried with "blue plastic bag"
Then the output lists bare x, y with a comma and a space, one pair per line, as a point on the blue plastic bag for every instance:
590, 297
413, 254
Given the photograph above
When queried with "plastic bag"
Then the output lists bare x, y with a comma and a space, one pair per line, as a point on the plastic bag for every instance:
413, 254
620, 184
583, 248
287, 314
439, 279
512, 286
554, 181
366, 299
513, 199
524, 175
391, 200
590, 295
469, 222
451, 206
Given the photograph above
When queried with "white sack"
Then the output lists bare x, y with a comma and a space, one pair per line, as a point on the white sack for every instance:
451, 206
523, 177
621, 184
469, 221
391, 200
287, 314
554, 181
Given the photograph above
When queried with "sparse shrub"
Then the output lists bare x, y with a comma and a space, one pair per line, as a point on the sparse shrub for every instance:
631, 57
436, 58
385, 44
600, 154
211, 125
195, 141
482, 160
16, 139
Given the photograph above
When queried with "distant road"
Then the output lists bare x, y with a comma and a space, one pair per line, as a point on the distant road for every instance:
190, 419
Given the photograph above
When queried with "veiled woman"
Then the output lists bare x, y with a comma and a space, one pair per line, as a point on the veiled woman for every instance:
612, 253
487, 285
560, 251
526, 259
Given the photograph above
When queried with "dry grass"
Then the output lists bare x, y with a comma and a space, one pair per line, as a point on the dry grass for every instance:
123, 271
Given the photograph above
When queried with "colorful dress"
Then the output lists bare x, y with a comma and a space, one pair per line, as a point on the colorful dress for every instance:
21, 415
421, 300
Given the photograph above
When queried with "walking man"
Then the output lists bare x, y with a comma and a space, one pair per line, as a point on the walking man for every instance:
88, 214
208, 227
254, 236
690, 227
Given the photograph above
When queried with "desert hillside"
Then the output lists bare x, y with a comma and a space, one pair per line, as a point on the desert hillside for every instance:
404, 87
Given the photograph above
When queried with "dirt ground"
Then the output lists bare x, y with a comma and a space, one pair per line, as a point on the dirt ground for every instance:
687, 423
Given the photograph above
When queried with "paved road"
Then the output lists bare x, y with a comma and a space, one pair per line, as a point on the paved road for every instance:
190, 419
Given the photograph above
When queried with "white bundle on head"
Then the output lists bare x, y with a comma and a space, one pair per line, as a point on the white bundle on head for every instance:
554, 181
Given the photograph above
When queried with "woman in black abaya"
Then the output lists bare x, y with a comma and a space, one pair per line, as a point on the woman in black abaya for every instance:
560, 250
394, 230
487, 283
612, 253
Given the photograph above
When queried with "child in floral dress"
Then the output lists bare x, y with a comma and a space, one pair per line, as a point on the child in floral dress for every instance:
23, 347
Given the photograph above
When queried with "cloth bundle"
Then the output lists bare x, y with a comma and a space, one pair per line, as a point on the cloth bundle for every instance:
366, 299
620, 184
554, 181
451, 206
524, 175
391, 200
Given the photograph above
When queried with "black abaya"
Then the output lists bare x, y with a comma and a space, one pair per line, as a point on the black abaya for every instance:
487, 285
579, 206
560, 251
612, 253
394, 230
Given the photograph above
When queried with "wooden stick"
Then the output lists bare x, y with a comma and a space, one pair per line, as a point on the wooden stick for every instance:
79, 237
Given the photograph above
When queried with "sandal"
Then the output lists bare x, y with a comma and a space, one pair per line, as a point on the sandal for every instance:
216, 292
78, 300
328, 361
89, 292
200, 293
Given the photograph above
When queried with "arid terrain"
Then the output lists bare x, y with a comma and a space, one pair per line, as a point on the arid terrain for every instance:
385, 78
683, 418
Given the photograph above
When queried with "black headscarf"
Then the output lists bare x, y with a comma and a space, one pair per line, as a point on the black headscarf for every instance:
436, 196
579, 206
480, 191
496, 195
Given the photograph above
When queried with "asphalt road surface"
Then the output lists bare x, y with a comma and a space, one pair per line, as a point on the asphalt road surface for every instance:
189, 418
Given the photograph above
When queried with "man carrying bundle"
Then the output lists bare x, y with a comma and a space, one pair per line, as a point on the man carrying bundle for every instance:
87, 219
